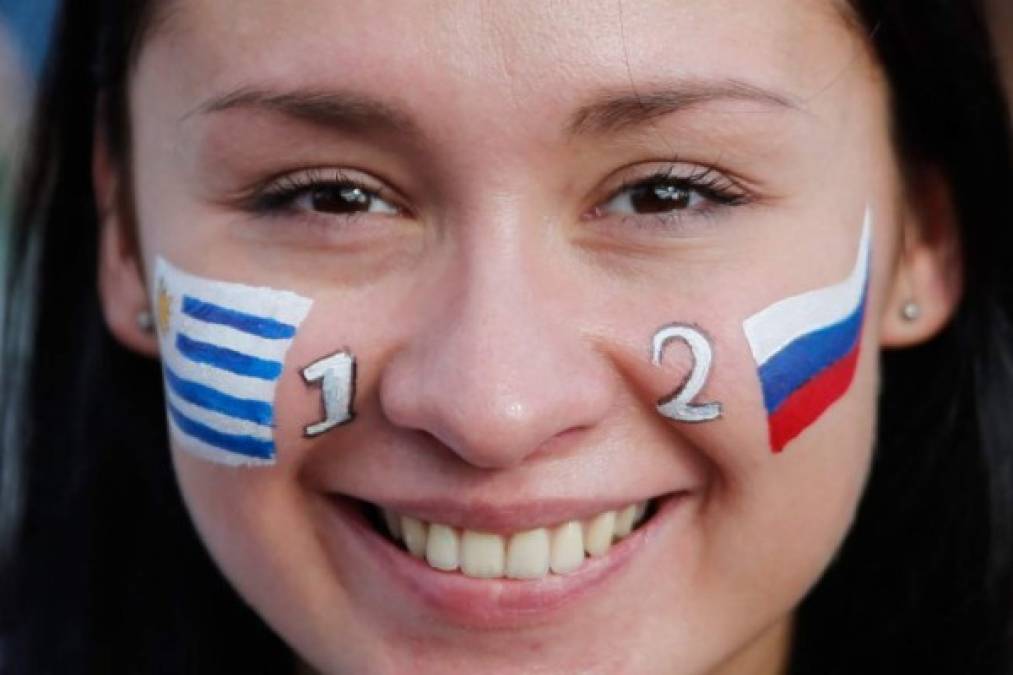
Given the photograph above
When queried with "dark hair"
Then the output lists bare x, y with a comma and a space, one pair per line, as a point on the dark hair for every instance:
923, 582
107, 573
102, 572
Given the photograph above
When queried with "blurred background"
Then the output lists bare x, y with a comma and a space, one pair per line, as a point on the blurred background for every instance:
24, 34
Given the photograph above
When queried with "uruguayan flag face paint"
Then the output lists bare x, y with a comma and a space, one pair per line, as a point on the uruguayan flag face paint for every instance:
807, 346
223, 346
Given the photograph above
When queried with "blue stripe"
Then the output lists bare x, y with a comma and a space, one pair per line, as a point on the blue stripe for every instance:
242, 445
227, 359
219, 402
807, 356
260, 326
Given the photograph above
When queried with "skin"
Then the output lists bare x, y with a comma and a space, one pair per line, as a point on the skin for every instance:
502, 318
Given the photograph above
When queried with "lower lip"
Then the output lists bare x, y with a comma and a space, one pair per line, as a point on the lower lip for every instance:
494, 603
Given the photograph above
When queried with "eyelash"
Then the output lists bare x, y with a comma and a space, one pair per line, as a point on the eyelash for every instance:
709, 183
280, 195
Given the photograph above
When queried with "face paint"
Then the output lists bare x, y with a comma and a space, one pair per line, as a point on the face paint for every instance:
223, 346
679, 406
806, 348
336, 375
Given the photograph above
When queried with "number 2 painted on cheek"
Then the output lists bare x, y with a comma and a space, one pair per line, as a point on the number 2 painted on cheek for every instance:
679, 405
336, 374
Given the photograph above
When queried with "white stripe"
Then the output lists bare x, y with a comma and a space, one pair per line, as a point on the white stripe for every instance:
209, 452
219, 422
224, 336
284, 306
772, 329
222, 380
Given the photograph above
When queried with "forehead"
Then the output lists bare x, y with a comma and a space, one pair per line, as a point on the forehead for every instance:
499, 60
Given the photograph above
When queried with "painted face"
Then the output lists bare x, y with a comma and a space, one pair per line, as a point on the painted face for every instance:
223, 349
568, 264
807, 348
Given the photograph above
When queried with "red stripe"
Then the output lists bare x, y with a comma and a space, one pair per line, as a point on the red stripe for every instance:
807, 403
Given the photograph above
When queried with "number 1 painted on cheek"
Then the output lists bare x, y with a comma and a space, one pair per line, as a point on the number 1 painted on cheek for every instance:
336, 374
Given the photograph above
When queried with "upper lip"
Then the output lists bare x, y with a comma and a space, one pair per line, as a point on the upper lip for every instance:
505, 518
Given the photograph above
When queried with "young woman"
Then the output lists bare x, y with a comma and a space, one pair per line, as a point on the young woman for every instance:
656, 337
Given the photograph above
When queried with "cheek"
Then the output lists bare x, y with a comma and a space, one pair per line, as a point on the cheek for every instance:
824, 465
223, 348
767, 524
250, 509
238, 406
332, 370
787, 513
782, 506
259, 521
254, 523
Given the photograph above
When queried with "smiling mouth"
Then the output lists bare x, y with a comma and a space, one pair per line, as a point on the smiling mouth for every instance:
530, 554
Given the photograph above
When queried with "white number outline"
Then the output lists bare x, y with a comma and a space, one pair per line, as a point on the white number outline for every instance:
679, 404
336, 374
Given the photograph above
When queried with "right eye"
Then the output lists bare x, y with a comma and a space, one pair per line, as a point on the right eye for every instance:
328, 192
341, 199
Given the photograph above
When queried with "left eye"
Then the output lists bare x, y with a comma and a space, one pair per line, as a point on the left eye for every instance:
654, 197
342, 199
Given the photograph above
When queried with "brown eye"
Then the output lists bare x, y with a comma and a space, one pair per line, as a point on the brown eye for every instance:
323, 192
343, 200
336, 199
660, 198
654, 197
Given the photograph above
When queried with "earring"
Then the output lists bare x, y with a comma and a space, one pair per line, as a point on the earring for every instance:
911, 311
146, 321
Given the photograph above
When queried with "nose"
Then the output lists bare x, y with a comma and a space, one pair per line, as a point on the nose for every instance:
501, 369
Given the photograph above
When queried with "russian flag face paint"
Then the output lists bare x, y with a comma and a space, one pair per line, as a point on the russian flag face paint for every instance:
223, 346
806, 348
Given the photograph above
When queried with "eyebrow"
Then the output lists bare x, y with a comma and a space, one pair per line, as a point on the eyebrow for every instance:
609, 111
324, 108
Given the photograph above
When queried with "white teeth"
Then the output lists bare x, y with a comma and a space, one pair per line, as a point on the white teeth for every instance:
598, 533
624, 520
528, 554
415, 536
442, 547
524, 555
567, 548
482, 554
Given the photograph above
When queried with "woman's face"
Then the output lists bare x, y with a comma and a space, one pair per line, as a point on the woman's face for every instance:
494, 207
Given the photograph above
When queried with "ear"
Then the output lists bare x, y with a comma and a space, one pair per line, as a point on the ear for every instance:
121, 286
929, 270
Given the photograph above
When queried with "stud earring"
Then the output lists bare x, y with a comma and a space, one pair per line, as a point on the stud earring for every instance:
146, 321
911, 311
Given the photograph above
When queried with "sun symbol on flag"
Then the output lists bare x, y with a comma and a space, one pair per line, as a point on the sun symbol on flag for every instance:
164, 307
